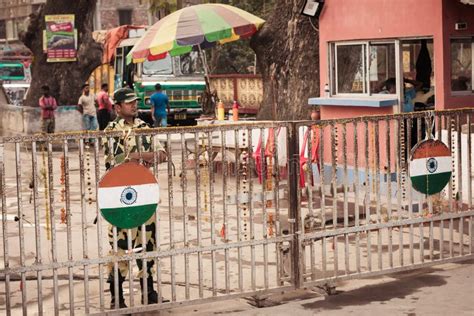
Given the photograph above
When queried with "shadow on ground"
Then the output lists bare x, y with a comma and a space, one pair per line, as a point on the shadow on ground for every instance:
380, 293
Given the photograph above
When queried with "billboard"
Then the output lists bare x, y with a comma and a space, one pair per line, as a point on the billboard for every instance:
60, 38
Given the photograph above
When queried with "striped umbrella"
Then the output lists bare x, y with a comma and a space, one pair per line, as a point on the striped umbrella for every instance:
194, 27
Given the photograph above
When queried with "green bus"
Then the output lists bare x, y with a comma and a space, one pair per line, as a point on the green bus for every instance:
12, 71
181, 78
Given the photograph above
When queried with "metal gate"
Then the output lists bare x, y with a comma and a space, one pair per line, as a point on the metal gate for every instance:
244, 211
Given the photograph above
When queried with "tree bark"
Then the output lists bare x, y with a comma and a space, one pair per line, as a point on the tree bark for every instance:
287, 49
64, 78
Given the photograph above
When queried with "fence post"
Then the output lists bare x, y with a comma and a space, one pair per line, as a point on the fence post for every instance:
294, 205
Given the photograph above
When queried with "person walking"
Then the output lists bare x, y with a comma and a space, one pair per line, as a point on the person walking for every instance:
104, 115
160, 107
116, 151
86, 105
48, 106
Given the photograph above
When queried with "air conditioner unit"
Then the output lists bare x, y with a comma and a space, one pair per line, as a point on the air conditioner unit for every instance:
460, 26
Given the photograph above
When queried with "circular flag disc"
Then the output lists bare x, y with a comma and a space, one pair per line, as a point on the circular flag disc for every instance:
430, 166
128, 195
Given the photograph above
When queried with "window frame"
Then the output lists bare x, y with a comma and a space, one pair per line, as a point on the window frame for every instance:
332, 71
467, 92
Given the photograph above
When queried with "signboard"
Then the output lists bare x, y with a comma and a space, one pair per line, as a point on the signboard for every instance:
60, 38
128, 195
430, 166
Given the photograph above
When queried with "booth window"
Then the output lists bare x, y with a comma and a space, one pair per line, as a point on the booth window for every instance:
462, 57
362, 68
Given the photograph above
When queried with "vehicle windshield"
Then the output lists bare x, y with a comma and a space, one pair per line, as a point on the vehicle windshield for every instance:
191, 64
11, 71
158, 67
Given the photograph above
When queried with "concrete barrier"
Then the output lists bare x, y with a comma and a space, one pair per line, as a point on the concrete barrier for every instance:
17, 120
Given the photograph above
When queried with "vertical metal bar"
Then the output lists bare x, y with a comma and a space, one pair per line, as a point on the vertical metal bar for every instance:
389, 192
459, 199
367, 196
130, 267
54, 258
237, 207
450, 145
84, 224
452, 183
309, 175
276, 203
461, 236
20, 225
99, 220
410, 201
198, 214
184, 188
334, 145
211, 210
321, 176
68, 224
294, 215
156, 144
224, 207
469, 155
377, 191
6, 256
170, 212
251, 211
346, 207
398, 170
264, 204
38, 261
356, 193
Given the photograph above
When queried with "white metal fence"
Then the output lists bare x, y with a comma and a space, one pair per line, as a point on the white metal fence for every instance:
241, 214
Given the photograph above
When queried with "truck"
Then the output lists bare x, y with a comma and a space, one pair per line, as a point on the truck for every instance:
181, 78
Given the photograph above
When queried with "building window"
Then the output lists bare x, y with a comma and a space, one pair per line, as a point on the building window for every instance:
363, 68
125, 16
462, 72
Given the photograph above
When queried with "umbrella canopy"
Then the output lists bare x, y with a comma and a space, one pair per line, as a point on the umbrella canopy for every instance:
198, 26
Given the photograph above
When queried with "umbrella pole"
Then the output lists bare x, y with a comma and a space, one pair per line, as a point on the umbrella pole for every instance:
208, 98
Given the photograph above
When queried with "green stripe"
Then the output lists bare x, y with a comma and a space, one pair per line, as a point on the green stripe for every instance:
128, 217
432, 183
213, 25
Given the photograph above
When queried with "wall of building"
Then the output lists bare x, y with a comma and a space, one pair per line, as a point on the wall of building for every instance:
453, 12
109, 16
17, 120
376, 19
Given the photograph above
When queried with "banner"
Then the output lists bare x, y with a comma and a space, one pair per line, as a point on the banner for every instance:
60, 38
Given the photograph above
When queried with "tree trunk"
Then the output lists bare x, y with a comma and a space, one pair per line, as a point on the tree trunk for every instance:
63, 78
287, 49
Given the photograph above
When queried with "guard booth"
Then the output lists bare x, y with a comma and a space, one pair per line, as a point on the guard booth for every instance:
363, 44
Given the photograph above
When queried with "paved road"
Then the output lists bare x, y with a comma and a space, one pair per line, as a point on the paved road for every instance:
441, 290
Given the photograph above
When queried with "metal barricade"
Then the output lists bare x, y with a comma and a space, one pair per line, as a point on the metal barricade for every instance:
361, 216
246, 209
218, 222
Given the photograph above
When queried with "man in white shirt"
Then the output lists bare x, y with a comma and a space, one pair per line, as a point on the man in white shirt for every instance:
87, 106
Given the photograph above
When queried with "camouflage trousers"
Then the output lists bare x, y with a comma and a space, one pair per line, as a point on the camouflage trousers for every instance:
136, 236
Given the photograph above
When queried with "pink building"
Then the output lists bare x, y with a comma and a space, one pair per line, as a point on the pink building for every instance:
368, 47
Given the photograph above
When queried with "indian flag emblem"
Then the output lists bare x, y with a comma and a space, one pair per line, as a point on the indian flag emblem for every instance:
430, 166
128, 195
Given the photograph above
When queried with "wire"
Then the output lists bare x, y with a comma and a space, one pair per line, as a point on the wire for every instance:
314, 26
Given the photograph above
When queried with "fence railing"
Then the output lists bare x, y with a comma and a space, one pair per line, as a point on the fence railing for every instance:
245, 209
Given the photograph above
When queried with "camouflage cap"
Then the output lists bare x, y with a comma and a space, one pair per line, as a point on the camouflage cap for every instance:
125, 95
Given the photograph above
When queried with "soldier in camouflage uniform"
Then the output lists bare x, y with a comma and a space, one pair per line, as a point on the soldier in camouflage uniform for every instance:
118, 150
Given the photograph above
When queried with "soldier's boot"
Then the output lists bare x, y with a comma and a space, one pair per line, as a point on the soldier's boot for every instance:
152, 295
121, 299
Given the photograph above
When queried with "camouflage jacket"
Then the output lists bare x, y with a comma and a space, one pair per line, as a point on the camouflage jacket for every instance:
117, 149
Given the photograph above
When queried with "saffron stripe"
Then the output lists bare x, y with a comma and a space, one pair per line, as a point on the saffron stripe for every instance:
431, 148
127, 174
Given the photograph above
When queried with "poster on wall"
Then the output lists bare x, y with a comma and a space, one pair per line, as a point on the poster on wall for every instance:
60, 38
